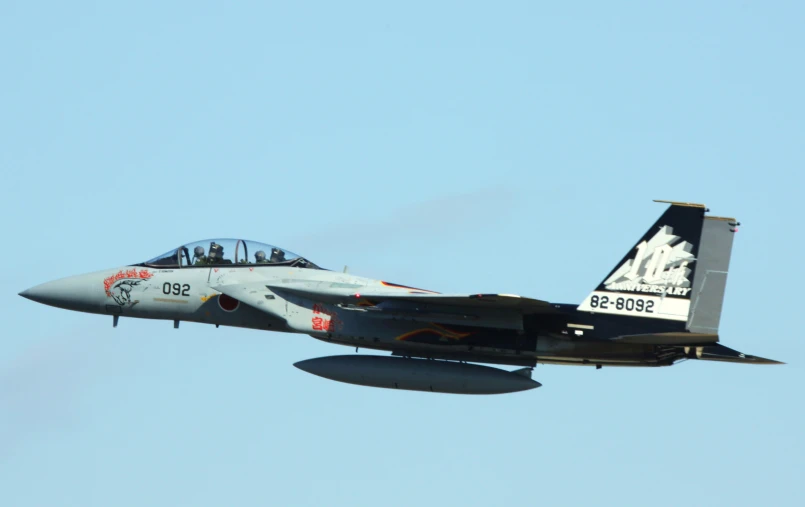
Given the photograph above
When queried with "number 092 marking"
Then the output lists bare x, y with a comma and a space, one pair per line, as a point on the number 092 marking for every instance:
176, 289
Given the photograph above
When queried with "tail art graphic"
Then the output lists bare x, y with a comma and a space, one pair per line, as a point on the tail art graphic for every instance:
658, 262
655, 278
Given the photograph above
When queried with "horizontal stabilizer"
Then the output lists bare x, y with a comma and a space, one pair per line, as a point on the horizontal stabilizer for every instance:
669, 338
725, 354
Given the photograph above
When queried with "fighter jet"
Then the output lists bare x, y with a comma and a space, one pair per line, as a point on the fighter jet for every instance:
661, 304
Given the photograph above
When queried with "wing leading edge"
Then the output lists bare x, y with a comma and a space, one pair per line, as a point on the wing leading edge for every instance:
375, 297
502, 311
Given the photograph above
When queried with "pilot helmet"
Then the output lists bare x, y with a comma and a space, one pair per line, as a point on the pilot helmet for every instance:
277, 255
198, 251
260, 256
216, 251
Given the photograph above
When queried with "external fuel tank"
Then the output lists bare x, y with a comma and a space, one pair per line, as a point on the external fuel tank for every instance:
418, 374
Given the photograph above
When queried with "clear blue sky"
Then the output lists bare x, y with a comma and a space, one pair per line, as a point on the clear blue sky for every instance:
457, 146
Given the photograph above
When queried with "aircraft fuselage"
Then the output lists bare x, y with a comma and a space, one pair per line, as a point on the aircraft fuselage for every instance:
188, 295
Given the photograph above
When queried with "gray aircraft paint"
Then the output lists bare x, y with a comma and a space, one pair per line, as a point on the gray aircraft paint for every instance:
710, 283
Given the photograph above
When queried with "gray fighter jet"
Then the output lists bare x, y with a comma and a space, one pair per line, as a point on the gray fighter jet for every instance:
659, 305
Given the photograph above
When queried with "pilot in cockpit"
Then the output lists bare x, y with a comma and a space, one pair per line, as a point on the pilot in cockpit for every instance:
216, 255
260, 257
277, 255
198, 255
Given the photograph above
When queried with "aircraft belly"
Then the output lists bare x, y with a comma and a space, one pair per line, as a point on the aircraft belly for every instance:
481, 344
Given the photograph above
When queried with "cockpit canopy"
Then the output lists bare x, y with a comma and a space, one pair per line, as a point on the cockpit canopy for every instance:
235, 252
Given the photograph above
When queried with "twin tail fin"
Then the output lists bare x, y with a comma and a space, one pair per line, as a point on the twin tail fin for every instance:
677, 271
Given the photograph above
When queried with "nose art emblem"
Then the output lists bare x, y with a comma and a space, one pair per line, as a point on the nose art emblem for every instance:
119, 286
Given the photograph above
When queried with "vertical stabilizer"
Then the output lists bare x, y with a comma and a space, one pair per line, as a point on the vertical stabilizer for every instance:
655, 278
713, 263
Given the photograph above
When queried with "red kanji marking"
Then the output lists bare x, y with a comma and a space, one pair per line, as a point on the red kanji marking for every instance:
319, 324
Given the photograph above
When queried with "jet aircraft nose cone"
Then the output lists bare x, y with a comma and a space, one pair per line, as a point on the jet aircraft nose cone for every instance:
74, 293
41, 293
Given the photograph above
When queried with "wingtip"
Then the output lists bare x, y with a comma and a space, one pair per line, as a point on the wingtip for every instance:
769, 361
761, 360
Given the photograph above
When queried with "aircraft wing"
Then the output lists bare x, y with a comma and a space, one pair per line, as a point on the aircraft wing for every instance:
377, 297
501, 311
